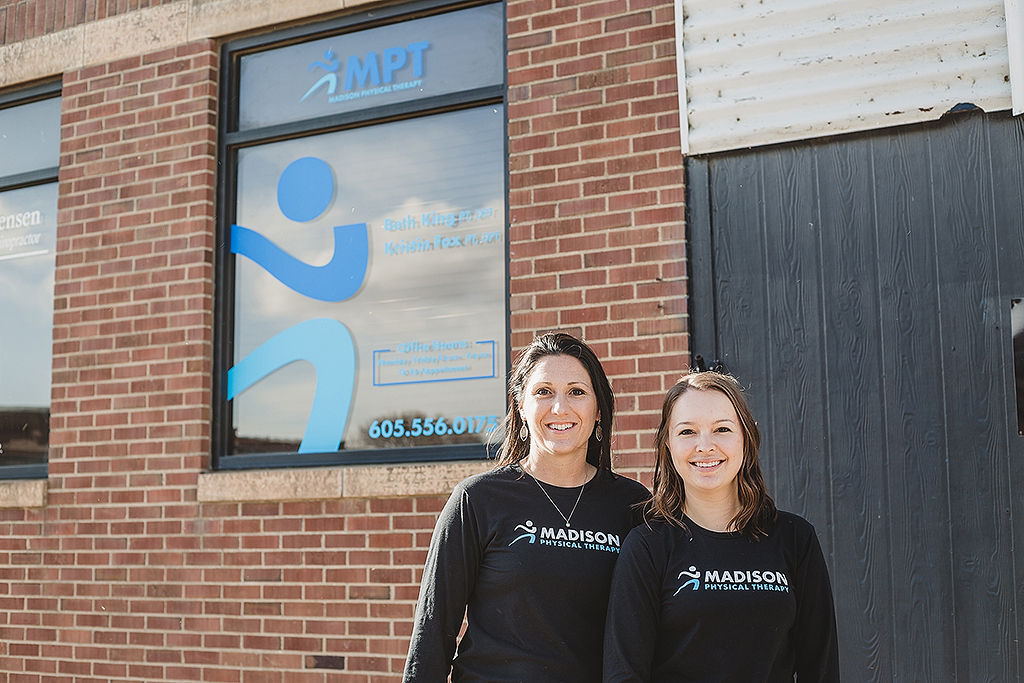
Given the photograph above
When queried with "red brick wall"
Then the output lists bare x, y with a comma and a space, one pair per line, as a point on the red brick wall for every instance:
21, 19
124, 575
596, 195
134, 293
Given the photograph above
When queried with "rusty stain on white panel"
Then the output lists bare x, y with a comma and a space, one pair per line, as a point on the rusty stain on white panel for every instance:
761, 72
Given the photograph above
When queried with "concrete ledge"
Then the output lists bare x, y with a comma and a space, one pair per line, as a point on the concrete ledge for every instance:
151, 29
48, 55
23, 493
430, 479
135, 33
214, 18
298, 484
324, 483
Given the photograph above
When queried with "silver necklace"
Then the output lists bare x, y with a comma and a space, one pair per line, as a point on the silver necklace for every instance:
557, 509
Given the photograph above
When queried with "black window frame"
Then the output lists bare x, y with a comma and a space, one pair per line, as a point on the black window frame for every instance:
231, 139
44, 90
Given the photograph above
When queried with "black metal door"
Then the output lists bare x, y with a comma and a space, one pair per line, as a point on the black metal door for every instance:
861, 287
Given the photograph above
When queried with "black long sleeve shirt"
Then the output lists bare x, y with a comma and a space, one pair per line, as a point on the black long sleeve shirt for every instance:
536, 590
696, 606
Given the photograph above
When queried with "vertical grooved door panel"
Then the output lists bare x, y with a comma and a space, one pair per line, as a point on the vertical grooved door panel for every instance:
861, 287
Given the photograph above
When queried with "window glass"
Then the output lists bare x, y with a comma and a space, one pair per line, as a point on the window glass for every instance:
365, 262
28, 229
30, 137
421, 334
411, 60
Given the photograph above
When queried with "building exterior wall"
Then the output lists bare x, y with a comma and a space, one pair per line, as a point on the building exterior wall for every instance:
137, 563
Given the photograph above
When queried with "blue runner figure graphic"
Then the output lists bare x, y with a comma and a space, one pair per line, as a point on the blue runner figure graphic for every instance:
530, 529
305, 190
330, 78
694, 581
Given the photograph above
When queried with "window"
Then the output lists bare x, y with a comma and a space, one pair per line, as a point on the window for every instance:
361, 281
29, 157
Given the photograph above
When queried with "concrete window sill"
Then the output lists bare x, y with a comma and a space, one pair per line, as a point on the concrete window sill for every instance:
23, 493
320, 483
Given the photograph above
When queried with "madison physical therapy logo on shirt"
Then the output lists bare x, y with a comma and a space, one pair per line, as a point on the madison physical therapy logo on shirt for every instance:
582, 539
736, 580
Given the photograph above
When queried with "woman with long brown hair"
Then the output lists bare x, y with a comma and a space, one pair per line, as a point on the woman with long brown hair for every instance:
718, 585
526, 551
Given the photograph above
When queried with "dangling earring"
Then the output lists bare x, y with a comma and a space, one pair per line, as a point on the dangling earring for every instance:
524, 433
597, 432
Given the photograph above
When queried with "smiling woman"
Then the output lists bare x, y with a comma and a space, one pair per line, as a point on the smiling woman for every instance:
717, 558
560, 412
526, 551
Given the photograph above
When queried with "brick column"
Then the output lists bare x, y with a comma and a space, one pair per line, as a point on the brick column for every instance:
134, 278
596, 197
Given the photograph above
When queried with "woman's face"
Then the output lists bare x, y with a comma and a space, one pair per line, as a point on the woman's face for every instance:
706, 443
559, 407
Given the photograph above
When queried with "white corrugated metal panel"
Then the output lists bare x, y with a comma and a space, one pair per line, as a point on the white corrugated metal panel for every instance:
1015, 50
760, 72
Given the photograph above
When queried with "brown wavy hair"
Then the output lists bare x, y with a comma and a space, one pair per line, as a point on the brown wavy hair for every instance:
513, 449
757, 509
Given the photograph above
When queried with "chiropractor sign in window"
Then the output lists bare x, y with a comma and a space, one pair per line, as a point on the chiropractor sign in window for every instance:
29, 155
369, 286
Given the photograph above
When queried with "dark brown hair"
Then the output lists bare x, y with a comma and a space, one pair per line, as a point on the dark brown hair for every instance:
757, 509
513, 449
